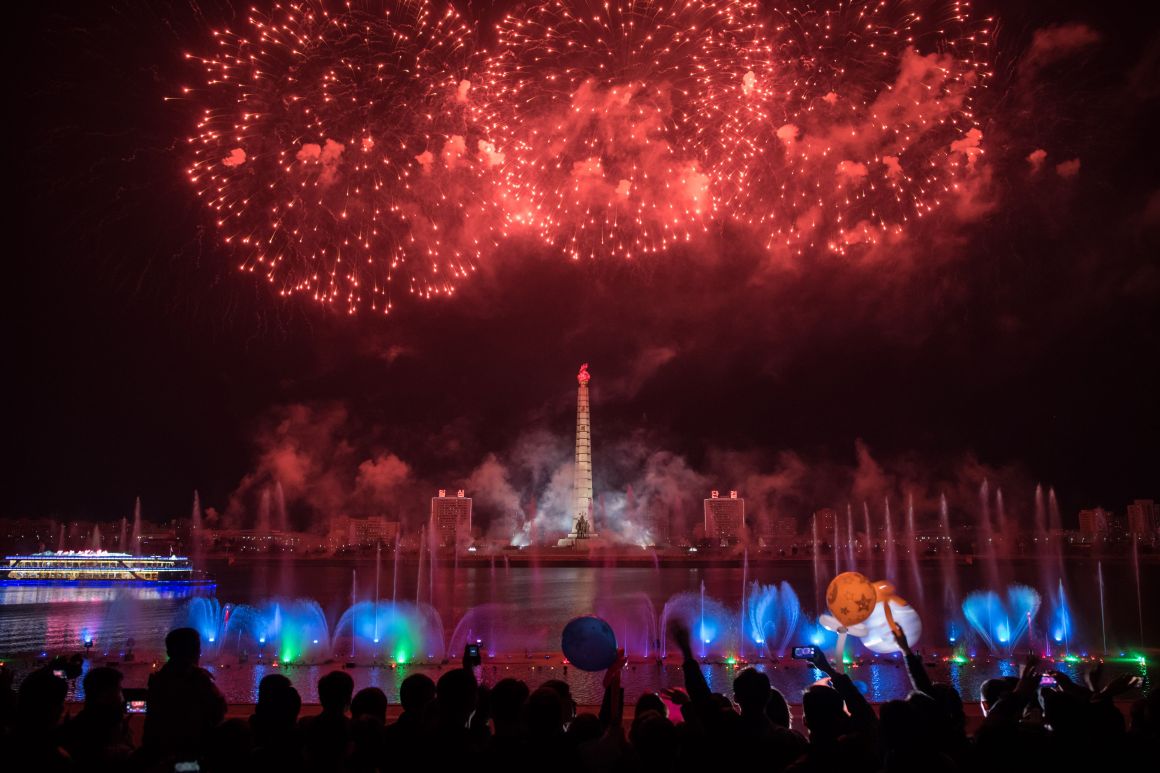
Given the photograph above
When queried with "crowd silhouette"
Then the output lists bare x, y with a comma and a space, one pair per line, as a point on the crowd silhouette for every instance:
1027, 724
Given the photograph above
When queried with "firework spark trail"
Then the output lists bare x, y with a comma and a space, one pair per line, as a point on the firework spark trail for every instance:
600, 108
340, 151
332, 150
856, 119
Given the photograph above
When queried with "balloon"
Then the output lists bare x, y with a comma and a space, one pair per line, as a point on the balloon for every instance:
888, 599
851, 598
831, 624
879, 635
589, 643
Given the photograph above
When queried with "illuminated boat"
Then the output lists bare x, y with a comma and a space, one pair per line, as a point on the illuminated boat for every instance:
98, 566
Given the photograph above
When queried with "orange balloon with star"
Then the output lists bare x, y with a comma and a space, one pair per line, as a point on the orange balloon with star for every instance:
851, 598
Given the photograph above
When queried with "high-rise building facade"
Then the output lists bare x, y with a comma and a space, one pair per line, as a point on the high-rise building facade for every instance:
1095, 521
375, 530
1143, 517
451, 519
724, 518
346, 532
824, 521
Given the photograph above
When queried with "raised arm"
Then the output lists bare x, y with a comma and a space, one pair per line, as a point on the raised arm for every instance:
1009, 708
919, 678
612, 706
695, 683
860, 709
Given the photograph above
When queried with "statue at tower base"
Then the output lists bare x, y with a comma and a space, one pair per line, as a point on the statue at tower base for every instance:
581, 536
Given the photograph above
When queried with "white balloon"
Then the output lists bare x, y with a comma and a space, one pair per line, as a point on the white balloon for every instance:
879, 638
831, 623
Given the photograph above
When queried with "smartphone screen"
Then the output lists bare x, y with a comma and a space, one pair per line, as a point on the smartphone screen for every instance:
804, 653
135, 707
1047, 681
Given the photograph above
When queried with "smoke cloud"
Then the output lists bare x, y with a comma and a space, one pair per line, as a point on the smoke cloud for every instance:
1056, 43
328, 156
645, 493
1069, 168
320, 459
237, 157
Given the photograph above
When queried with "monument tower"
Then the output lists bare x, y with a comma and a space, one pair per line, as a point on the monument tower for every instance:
582, 476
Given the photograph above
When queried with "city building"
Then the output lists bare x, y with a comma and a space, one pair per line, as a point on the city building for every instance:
247, 541
824, 521
451, 519
353, 533
782, 527
582, 477
1143, 517
777, 533
28, 534
724, 519
374, 530
1095, 521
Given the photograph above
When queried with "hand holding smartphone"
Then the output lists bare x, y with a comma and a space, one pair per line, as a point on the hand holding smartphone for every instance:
135, 700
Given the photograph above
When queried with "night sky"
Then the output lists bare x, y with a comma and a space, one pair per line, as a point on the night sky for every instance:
1021, 345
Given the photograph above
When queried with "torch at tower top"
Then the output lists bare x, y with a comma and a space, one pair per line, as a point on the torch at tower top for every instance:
583, 377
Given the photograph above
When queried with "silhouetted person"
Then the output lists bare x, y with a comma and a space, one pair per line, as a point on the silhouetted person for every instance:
826, 721
564, 690
230, 747
751, 690
1005, 741
98, 737
994, 689
1143, 736
650, 701
584, 728
910, 743
508, 699
326, 738
777, 709
368, 713
32, 744
952, 722
277, 745
7, 699
404, 738
370, 703
655, 742
760, 738
453, 742
840, 722
184, 704
546, 715
507, 747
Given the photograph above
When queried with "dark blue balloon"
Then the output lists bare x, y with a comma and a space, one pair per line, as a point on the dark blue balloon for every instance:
589, 644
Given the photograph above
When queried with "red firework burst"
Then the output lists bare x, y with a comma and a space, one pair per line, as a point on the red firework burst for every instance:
601, 112
855, 119
332, 150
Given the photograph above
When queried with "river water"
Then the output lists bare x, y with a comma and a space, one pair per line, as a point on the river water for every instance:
519, 611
